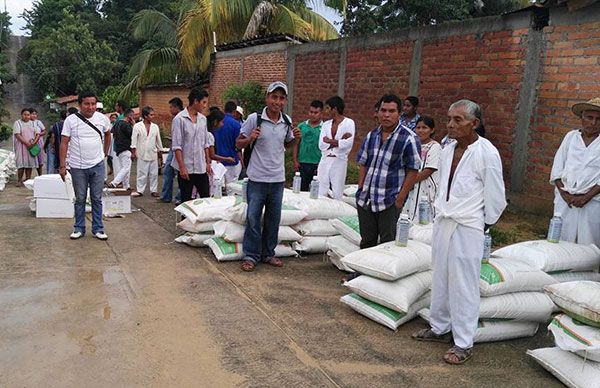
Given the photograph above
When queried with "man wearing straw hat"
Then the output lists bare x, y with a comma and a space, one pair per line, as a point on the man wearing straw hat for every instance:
576, 177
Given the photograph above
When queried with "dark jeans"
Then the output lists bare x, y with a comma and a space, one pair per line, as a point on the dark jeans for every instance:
260, 238
94, 179
377, 228
168, 176
200, 181
307, 171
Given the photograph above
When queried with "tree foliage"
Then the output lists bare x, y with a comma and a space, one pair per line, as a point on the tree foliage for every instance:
371, 16
249, 96
5, 75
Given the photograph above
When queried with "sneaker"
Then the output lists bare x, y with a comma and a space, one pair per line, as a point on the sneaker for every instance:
101, 235
75, 235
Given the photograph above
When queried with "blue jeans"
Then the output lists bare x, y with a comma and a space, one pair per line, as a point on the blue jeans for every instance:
94, 179
50, 162
166, 194
260, 240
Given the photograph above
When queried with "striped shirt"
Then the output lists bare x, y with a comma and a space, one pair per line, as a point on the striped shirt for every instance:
386, 164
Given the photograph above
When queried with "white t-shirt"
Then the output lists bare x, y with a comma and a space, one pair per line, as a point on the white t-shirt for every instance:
86, 147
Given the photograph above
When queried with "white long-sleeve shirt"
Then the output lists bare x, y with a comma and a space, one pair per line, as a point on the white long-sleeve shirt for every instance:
576, 165
477, 192
146, 143
344, 145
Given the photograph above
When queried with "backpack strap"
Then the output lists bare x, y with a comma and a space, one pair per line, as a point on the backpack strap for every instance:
82, 118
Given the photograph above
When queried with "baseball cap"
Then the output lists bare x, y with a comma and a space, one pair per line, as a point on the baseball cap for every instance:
277, 85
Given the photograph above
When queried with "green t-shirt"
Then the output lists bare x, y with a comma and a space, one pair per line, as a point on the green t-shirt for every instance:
309, 151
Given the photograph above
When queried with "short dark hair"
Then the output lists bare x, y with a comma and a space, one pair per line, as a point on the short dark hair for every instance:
146, 111
337, 103
63, 114
122, 104
197, 94
33, 110
72, 110
128, 112
86, 95
413, 100
230, 107
427, 121
176, 101
114, 115
387, 98
214, 117
25, 110
317, 104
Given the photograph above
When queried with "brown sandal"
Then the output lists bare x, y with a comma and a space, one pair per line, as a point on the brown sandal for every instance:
248, 266
457, 355
429, 336
275, 262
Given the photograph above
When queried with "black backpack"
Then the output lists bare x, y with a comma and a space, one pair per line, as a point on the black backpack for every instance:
248, 150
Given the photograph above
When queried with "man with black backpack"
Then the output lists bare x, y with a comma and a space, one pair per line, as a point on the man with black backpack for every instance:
84, 145
268, 133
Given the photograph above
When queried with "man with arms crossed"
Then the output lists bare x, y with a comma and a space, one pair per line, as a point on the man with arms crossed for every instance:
470, 199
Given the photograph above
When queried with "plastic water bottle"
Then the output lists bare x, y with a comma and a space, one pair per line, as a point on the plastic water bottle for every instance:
424, 212
314, 188
555, 228
297, 182
218, 188
245, 190
402, 228
487, 247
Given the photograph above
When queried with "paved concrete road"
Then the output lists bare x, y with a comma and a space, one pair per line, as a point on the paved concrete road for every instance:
139, 311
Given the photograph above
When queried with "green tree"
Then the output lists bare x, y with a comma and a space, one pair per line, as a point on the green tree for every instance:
5, 74
69, 59
249, 96
113, 93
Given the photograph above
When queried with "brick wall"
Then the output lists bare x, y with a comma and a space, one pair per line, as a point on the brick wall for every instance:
158, 98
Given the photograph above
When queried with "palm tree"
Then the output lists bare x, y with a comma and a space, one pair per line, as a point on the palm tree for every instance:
187, 43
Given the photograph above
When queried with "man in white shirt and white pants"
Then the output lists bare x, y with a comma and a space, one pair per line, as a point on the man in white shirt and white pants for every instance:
576, 175
84, 145
146, 145
470, 199
335, 143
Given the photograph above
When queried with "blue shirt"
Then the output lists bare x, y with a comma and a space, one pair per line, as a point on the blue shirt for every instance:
412, 123
385, 164
225, 139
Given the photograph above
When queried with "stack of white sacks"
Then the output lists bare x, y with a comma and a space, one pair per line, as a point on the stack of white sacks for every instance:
576, 358
7, 167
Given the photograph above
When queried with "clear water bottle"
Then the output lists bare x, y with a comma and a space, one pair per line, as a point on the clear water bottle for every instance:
555, 228
314, 188
297, 182
218, 188
245, 190
424, 212
487, 247
402, 228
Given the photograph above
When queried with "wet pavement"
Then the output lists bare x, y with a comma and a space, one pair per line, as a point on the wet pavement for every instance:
138, 310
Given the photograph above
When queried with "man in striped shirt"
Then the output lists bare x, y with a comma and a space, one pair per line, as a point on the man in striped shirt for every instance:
389, 161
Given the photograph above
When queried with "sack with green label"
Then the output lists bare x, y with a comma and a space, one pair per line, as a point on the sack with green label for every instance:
289, 215
580, 300
206, 209
348, 227
227, 251
381, 314
321, 208
574, 336
503, 276
520, 306
232, 232
569, 368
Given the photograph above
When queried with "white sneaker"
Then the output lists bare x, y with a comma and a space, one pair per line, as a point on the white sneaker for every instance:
75, 235
101, 236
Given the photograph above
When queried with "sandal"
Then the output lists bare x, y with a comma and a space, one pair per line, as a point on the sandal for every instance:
457, 356
275, 262
155, 195
248, 266
429, 336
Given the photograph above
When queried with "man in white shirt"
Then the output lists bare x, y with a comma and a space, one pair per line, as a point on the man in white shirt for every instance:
84, 145
335, 143
146, 145
470, 199
576, 175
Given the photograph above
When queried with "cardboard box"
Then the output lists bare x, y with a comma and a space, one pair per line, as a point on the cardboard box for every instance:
54, 208
116, 204
52, 187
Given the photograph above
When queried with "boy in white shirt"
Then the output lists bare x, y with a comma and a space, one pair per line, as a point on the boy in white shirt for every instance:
146, 145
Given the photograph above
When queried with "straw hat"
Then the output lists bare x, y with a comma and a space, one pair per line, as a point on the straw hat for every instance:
593, 104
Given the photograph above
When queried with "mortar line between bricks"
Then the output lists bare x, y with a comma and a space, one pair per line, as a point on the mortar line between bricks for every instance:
255, 302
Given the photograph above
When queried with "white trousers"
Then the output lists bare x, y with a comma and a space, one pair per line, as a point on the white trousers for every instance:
580, 225
115, 159
124, 162
332, 171
233, 173
456, 262
147, 169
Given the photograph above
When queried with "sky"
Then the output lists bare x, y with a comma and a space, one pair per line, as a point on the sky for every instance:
16, 7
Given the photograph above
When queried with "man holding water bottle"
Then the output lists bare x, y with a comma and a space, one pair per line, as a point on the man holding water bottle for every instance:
268, 135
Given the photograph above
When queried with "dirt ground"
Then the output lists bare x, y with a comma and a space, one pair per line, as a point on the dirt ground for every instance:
139, 310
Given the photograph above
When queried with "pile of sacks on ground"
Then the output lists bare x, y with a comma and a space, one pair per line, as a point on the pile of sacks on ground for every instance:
306, 225
8, 167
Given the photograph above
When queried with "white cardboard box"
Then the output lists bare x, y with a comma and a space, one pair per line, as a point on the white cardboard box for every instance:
54, 208
116, 204
50, 186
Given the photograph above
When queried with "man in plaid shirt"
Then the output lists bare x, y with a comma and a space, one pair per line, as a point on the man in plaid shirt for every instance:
389, 161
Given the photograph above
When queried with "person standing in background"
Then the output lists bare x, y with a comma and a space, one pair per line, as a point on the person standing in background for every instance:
409, 115
306, 153
41, 129
166, 195
146, 146
122, 131
52, 144
25, 138
225, 138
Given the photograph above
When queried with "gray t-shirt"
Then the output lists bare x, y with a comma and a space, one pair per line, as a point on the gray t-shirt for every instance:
267, 163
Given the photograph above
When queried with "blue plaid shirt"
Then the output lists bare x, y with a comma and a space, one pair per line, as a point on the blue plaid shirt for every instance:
385, 165
412, 123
